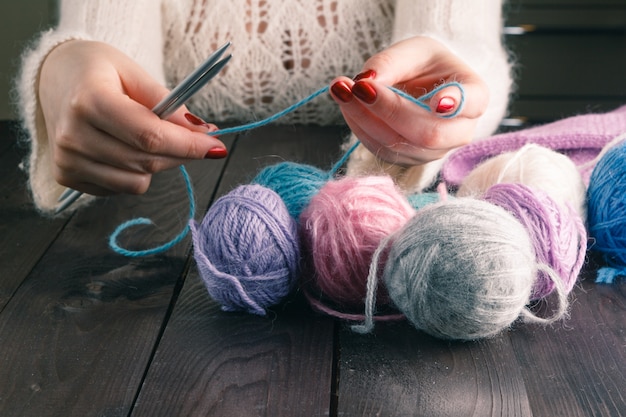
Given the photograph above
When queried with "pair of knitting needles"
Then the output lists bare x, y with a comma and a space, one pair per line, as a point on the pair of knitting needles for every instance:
176, 98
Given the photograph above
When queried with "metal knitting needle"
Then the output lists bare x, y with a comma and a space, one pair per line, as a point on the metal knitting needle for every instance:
166, 107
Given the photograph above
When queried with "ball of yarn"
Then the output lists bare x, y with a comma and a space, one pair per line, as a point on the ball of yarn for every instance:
342, 227
532, 165
607, 206
556, 232
421, 200
462, 269
247, 249
295, 183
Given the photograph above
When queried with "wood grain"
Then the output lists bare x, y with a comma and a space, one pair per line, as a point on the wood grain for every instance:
398, 371
25, 234
578, 368
76, 337
238, 364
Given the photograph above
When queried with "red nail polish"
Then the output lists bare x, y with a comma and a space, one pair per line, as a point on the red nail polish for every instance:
342, 91
193, 119
216, 153
445, 105
365, 74
364, 92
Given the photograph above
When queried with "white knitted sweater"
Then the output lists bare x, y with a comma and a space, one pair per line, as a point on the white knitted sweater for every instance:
283, 51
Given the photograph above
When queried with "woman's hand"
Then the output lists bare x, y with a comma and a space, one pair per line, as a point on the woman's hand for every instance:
103, 137
393, 128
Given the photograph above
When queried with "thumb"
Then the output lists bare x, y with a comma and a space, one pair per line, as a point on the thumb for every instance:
145, 90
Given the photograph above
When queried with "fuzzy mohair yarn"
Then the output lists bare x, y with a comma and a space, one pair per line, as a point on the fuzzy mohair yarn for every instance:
342, 227
607, 211
462, 269
247, 249
556, 231
295, 183
535, 166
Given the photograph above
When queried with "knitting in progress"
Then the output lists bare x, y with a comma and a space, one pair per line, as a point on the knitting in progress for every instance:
461, 267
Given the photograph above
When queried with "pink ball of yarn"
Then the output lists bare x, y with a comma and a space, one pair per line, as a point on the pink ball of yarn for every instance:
343, 226
556, 231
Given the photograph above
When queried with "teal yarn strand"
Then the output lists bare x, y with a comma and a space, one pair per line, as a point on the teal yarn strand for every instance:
420, 101
113, 239
254, 125
144, 221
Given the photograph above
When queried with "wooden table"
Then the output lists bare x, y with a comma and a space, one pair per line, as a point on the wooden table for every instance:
86, 332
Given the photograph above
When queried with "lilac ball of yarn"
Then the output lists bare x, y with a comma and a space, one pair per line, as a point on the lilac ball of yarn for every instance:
555, 229
295, 183
247, 249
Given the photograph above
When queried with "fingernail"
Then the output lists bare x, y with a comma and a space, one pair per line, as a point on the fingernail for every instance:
365, 74
216, 153
195, 120
364, 91
342, 91
445, 105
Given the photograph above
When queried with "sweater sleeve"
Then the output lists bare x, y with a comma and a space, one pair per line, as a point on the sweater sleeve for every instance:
474, 33
134, 27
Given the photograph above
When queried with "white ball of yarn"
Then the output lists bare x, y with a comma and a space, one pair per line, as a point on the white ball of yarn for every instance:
534, 166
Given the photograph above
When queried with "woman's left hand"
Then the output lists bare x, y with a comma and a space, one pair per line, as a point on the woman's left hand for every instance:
397, 130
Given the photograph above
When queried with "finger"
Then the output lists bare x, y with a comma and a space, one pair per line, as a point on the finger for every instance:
136, 125
143, 89
99, 179
81, 140
470, 100
401, 61
388, 112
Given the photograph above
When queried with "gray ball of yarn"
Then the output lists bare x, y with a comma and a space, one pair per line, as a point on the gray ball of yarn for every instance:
462, 269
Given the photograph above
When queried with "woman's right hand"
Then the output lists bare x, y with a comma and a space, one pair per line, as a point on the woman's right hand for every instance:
103, 137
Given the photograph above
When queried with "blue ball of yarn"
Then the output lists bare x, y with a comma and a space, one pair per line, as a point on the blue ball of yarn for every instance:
247, 249
606, 200
295, 183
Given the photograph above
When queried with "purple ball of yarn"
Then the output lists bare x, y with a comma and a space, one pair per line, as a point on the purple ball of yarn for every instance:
247, 249
556, 231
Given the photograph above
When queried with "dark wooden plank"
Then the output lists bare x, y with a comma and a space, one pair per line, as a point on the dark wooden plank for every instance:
25, 234
570, 66
578, 368
535, 110
398, 371
76, 337
9, 132
215, 363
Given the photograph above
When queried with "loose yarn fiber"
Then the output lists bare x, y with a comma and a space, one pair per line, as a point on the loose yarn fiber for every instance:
556, 231
535, 166
341, 229
607, 212
247, 249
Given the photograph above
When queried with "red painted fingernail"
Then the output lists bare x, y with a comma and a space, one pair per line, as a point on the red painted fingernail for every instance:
193, 119
445, 105
365, 74
216, 153
342, 91
364, 92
